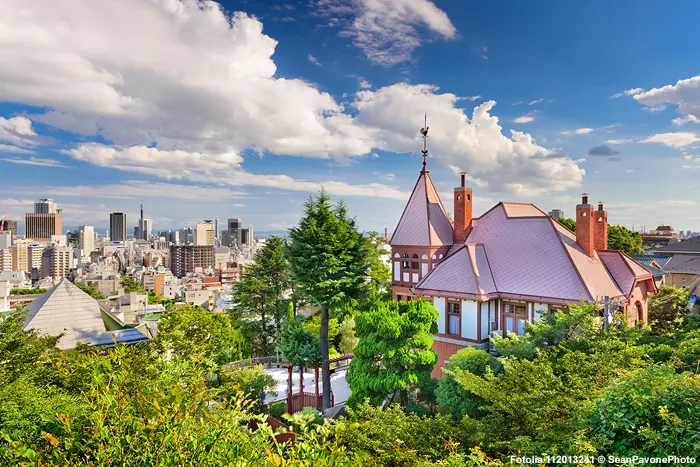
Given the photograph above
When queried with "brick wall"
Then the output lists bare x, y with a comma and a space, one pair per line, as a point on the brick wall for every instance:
444, 351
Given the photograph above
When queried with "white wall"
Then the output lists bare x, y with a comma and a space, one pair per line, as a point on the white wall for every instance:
439, 304
540, 310
469, 309
484, 320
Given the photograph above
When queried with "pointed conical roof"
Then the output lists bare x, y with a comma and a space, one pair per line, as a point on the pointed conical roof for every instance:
424, 221
66, 308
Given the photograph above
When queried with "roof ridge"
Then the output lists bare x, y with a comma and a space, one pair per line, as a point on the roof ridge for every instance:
490, 270
472, 260
573, 263
427, 207
398, 224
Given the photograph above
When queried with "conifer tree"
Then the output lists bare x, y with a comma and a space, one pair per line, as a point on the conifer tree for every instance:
328, 257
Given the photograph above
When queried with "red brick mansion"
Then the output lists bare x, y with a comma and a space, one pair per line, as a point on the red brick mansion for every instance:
507, 267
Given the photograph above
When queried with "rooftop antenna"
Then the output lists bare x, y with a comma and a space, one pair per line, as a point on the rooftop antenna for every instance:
424, 132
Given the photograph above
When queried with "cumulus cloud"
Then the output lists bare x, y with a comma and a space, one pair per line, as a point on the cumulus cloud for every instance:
687, 119
387, 31
603, 150
17, 130
524, 119
678, 139
189, 90
685, 94
475, 142
364, 84
619, 141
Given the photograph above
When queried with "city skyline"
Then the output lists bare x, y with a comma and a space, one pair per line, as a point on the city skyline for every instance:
297, 95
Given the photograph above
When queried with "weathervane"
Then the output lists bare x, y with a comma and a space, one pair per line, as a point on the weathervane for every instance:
424, 132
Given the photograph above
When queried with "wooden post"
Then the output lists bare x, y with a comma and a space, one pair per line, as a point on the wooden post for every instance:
301, 381
289, 389
316, 377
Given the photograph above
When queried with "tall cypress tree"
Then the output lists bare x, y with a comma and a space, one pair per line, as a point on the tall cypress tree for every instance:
328, 258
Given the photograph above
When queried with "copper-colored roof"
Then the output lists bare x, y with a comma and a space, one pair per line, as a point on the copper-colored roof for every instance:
424, 221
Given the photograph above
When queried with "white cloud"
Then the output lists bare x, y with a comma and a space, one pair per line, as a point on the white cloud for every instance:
685, 94
524, 119
583, 159
187, 92
314, 60
364, 84
536, 101
16, 130
393, 116
470, 98
679, 139
579, 131
655, 108
14, 149
15, 202
387, 31
619, 141
686, 119
38, 161
629, 92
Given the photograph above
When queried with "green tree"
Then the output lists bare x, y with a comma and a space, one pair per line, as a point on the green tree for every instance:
567, 222
653, 413
130, 285
300, 346
329, 260
260, 297
251, 382
451, 396
190, 331
394, 352
91, 290
27, 291
668, 309
348, 338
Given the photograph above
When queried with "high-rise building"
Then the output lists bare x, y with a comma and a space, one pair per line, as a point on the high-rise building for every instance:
44, 222
8, 226
204, 233
18, 253
34, 254
45, 206
175, 237
186, 235
217, 238
556, 214
185, 259
117, 226
233, 233
87, 240
143, 231
5, 240
56, 261
5, 260
247, 236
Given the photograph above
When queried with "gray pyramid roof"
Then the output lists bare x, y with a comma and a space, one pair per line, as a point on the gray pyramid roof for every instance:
67, 309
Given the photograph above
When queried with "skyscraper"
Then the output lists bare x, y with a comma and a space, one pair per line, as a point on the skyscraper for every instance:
233, 233
143, 231
44, 222
204, 233
117, 226
247, 236
87, 240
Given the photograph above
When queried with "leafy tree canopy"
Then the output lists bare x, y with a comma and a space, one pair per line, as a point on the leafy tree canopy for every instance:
619, 237
668, 309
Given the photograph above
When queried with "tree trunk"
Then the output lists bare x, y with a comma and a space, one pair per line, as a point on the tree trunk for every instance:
325, 366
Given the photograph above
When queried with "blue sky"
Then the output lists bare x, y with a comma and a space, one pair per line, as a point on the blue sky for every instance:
245, 108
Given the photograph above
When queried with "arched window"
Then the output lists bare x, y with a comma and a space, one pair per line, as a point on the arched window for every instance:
640, 313
415, 256
434, 256
424, 257
441, 255
396, 255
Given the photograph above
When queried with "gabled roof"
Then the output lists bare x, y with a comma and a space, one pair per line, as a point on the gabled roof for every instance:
684, 264
516, 249
661, 260
424, 221
692, 245
67, 309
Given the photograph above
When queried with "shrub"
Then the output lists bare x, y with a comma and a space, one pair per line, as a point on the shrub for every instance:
451, 397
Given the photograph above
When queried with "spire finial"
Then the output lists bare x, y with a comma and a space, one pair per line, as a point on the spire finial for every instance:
424, 132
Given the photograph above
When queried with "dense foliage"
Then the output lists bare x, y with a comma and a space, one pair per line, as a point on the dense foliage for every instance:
668, 309
91, 289
394, 352
27, 291
130, 285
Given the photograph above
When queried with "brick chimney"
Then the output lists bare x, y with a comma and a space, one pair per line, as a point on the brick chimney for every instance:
463, 209
600, 231
584, 225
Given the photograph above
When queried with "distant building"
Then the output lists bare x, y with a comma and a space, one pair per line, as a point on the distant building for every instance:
8, 226
19, 255
56, 261
117, 226
35, 253
185, 259
5, 259
44, 222
87, 240
205, 233
662, 235
690, 246
556, 214
5, 240
247, 236
232, 235
186, 236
